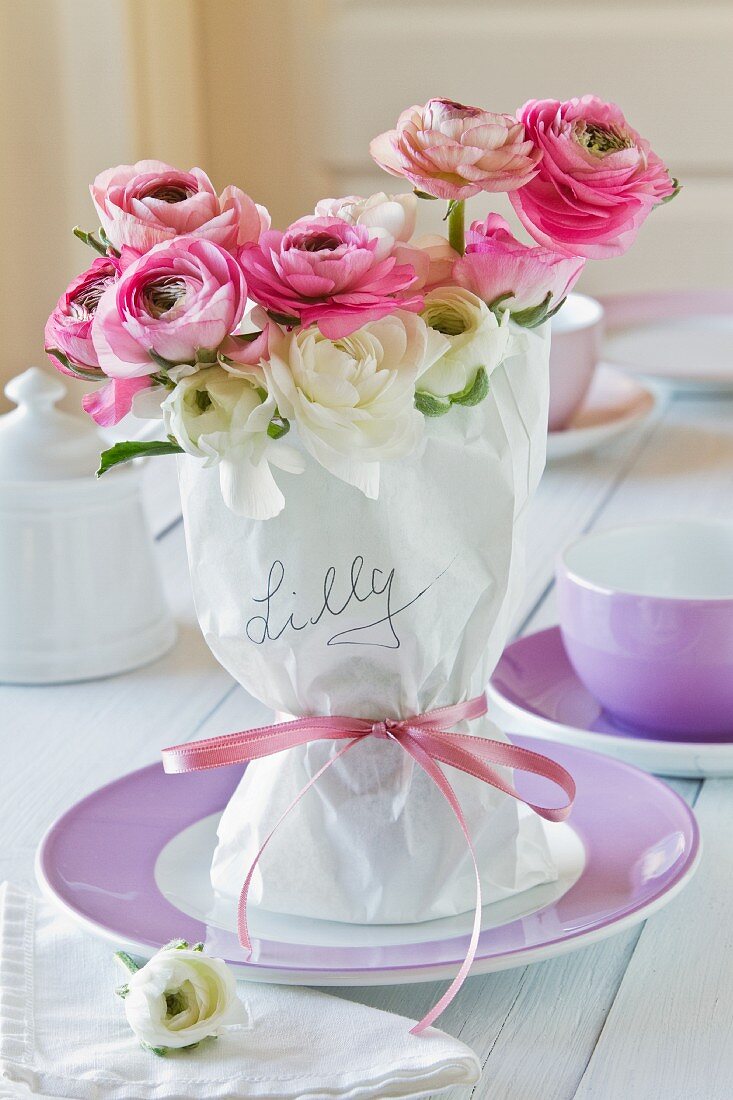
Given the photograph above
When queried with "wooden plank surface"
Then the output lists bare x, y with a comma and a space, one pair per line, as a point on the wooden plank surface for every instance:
668, 1033
644, 1015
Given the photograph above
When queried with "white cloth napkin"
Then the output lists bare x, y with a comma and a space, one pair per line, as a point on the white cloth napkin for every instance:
63, 1033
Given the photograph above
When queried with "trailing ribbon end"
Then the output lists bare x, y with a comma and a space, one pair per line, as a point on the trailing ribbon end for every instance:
428, 739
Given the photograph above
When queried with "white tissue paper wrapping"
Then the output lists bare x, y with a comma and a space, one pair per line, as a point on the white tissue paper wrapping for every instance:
386, 608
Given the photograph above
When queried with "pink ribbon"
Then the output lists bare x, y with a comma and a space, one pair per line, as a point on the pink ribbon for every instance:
427, 738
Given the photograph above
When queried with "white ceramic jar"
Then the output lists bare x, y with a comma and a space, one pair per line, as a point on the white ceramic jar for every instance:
80, 592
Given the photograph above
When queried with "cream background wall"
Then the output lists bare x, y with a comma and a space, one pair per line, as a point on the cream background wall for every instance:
63, 111
282, 96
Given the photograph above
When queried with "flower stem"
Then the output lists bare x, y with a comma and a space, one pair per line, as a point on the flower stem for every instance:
456, 221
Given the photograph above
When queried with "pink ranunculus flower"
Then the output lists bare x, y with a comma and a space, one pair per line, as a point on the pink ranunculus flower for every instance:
175, 302
496, 264
326, 272
69, 328
598, 178
110, 403
144, 204
452, 151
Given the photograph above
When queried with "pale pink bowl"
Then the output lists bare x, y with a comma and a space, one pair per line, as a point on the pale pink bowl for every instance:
576, 341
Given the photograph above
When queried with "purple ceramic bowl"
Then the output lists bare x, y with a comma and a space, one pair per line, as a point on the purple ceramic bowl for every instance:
646, 614
574, 352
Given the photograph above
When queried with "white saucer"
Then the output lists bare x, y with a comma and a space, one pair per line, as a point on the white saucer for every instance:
615, 404
681, 338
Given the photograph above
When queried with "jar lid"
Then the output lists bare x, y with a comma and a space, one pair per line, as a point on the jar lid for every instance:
39, 442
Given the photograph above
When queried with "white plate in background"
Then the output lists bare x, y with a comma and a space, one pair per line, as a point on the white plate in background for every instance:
683, 338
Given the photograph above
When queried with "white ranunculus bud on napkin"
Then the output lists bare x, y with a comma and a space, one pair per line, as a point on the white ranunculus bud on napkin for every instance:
179, 997
63, 1034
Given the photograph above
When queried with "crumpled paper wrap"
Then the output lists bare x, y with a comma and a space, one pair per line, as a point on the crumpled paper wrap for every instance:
386, 608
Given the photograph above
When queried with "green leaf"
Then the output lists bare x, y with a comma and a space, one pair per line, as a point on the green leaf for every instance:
535, 315
127, 961
551, 313
124, 452
166, 364
88, 374
160, 1051
278, 427
163, 380
677, 189
283, 318
175, 945
495, 306
430, 405
246, 337
205, 357
423, 194
474, 393
198, 947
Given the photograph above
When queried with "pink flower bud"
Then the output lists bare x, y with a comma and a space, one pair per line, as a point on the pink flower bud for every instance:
452, 151
498, 266
69, 328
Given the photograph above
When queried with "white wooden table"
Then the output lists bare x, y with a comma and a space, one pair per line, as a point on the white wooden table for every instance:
646, 1015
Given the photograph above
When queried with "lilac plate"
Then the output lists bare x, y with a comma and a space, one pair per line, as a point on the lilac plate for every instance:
537, 690
130, 863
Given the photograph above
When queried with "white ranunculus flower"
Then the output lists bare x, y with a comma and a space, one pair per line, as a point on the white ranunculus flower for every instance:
476, 340
353, 399
180, 997
224, 419
389, 218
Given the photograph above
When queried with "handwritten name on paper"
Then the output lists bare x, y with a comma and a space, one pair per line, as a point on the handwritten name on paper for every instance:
373, 588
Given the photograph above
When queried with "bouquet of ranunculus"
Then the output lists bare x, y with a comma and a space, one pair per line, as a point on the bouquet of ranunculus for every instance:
361, 416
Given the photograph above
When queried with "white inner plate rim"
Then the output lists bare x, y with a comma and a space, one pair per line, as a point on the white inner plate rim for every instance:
182, 876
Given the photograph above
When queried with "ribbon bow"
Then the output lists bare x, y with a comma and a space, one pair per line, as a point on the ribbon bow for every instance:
427, 738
